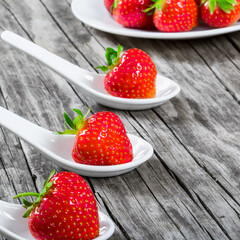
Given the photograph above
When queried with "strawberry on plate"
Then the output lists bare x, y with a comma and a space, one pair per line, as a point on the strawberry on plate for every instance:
65, 209
100, 140
129, 13
133, 75
220, 13
174, 15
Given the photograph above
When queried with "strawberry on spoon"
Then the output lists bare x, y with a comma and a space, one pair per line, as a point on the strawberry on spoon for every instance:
220, 13
100, 140
65, 209
133, 75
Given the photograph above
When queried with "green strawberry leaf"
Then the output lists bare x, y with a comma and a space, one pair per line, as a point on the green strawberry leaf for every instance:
26, 203
45, 189
69, 121
79, 112
27, 213
212, 4
67, 132
27, 194
75, 124
112, 57
158, 4
115, 3
49, 178
225, 5
103, 68
30, 206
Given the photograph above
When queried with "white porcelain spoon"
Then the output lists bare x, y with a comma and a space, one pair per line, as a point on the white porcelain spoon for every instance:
59, 147
13, 226
92, 83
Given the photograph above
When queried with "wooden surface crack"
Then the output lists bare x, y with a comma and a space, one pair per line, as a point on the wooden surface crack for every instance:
185, 188
165, 210
217, 77
229, 58
212, 215
65, 34
196, 160
199, 224
8, 8
233, 43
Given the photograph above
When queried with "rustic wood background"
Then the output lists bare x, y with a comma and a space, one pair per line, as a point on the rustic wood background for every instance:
190, 188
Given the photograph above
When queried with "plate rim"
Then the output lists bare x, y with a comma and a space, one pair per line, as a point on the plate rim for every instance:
156, 35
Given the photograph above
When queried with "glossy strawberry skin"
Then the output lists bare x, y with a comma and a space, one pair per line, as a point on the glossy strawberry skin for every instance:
102, 141
133, 77
176, 16
67, 211
129, 13
219, 18
108, 4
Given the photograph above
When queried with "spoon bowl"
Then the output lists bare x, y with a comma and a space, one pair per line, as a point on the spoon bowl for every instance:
58, 148
92, 83
13, 226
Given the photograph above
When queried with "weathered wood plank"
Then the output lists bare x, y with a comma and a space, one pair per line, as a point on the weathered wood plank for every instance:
177, 206
22, 88
223, 60
220, 87
62, 25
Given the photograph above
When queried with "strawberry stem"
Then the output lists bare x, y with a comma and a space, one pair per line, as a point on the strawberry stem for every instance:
31, 205
27, 194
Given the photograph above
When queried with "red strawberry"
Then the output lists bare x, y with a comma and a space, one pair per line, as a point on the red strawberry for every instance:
174, 15
129, 13
65, 209
100, 140
108, 4
131, 76
220, 13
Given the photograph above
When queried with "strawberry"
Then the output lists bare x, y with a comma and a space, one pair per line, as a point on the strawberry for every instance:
129, 13
100, 140
220, 13
133, 75
65, 209
108, 4
174, 15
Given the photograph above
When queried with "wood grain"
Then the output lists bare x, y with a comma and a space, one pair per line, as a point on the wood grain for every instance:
190, 187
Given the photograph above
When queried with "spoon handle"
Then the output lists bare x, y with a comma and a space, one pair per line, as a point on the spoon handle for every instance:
71, 72
23, 128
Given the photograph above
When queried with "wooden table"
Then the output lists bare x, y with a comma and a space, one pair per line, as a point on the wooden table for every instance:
190, 188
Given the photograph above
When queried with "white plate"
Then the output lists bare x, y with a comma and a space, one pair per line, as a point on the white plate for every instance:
94, 14
13, 226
